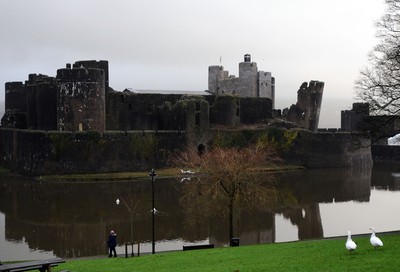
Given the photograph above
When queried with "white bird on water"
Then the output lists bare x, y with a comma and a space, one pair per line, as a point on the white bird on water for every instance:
187, 172
183, 179
350, 244
375, 241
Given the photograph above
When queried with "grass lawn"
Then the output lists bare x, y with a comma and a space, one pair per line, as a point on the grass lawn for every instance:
315, 255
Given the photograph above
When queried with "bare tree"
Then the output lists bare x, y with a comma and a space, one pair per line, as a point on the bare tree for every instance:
228, 176
379, 82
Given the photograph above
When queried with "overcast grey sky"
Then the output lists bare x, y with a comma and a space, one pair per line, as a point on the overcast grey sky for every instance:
169, 44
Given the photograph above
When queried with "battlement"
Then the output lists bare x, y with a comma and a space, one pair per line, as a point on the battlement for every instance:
80, 74
39, 78
101, 64
33, 79
12, 86
361, 108
313, 86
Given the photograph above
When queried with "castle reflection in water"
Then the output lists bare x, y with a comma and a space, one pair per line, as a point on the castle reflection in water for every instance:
73, 219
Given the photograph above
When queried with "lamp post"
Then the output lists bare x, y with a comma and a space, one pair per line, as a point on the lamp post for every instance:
153, 174
117, 201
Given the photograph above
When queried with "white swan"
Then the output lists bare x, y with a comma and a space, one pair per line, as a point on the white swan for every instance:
375, 241
187, 172
350, 244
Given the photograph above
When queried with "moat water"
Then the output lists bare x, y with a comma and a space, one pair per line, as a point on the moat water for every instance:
46, 219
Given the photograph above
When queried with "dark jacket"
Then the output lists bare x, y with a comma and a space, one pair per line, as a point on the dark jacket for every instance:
112, 240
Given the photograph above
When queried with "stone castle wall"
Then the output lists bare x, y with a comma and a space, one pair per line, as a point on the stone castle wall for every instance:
330, 150
386, 153
378, 127
34, 152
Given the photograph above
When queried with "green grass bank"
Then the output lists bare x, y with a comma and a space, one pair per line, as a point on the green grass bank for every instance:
123, 176
314, 255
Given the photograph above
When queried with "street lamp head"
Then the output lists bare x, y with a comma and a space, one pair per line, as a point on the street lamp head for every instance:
117, 201
152, 173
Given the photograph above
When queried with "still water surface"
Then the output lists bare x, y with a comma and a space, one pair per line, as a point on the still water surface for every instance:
41, 219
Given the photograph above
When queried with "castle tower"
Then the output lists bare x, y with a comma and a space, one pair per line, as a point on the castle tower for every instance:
15, 96
197, 121
102, 65
306, 111
41, 102
248, 74
351, 119
250, 83
81, 98
216, 76
266, 86
31, 104
213, 78
15, 105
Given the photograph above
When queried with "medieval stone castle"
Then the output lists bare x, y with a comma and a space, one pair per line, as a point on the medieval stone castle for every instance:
79, 98
75, 122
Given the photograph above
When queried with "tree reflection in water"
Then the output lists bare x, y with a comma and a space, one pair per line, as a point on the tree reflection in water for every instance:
227, 181
202, 200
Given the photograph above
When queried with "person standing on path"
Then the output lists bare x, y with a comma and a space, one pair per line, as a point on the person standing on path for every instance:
112, 243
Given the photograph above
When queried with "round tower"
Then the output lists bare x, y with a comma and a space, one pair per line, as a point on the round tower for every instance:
81, 99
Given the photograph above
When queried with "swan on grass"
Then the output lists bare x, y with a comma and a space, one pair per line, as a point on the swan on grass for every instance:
350, 244
375, 241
